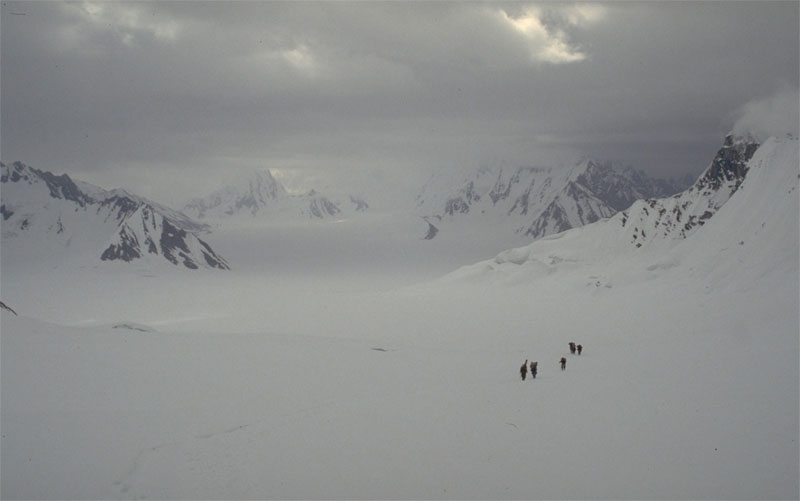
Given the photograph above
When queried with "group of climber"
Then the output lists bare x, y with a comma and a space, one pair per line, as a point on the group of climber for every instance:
523, 371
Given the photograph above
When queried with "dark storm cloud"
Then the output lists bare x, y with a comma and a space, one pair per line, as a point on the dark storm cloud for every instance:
148, 95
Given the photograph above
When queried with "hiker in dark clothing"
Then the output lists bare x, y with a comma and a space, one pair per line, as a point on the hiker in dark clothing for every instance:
580, 349
534, 369
563, 363
572, 348
523, 371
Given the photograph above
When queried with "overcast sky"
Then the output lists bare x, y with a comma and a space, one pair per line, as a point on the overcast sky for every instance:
169, 98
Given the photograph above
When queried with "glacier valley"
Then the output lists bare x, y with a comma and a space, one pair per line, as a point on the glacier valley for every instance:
349, 357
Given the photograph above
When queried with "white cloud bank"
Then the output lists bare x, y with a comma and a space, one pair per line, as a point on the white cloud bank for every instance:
775, 115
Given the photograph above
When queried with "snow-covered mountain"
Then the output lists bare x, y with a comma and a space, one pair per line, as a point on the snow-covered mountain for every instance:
746, 203
249, 194
534, 202
689, 373
49, 215
259, 194
680, 215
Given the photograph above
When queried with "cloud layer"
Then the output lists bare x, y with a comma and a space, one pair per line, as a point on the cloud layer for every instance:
774, 115
168, 97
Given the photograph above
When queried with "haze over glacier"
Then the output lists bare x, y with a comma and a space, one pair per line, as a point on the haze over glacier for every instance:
343, 359
277, 250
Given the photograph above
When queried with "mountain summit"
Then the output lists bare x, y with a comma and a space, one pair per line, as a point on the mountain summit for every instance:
44, 213
249, 194
740, 214
680, 215
259, 194
533, 202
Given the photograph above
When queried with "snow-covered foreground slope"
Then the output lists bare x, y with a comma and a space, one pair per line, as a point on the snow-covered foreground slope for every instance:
693, 398
294, 383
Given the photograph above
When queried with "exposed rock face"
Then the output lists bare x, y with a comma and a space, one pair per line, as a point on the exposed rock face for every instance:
681, 214
619, 188
729, 166
360, 204
121, 226
319, 206
432, 230
7, 308
542, 201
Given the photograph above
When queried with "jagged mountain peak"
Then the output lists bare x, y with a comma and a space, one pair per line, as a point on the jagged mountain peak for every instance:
259, 194
678, 216
749, 232
61, 186
730, 163
537, 201
247, 192
112, 225
741, 138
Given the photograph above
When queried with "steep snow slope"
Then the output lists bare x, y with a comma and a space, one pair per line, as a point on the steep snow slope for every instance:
680, 215
55, 220
754, 236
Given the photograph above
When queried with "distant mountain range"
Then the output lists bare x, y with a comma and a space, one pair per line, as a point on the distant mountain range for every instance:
44, 214
534, 202
744, 204
41, 209
259, 195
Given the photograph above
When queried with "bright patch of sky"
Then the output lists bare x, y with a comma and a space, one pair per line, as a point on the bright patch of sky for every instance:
550, 44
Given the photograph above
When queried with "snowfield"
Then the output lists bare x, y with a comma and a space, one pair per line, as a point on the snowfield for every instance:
341, 360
